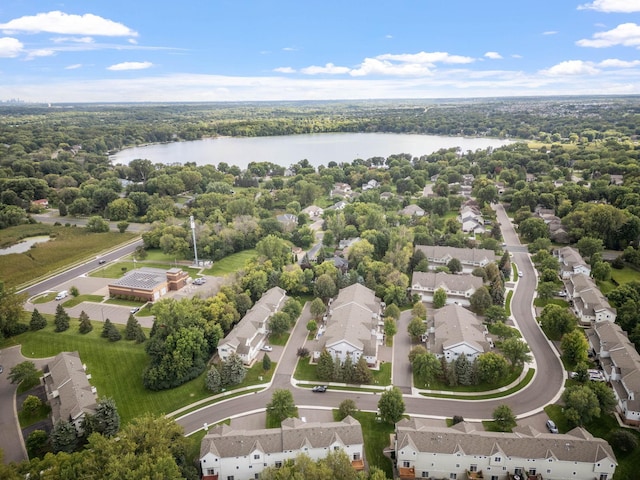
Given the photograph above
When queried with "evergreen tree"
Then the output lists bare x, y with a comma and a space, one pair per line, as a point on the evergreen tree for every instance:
325, 366
38, 322
61, 319
140, 336
106, 419
213, 380
85, 323
131, 330
266, 363
362, 373
348, 370
63, 437
110, 332
233, 370
463, 370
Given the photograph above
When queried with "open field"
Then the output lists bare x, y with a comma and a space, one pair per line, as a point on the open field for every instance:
230, 264
68, 246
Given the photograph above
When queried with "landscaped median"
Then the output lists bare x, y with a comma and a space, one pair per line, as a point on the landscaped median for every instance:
522, 382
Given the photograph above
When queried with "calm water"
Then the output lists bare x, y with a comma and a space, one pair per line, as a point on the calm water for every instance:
319, 148
24, 245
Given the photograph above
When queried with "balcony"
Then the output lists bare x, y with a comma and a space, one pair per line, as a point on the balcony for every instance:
358, 465
407, 472
474, 475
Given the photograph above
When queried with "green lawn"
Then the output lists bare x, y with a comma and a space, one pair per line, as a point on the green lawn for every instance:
507, 303
47, 297
624, 275
539, 302
231, 263
376, 439
307, 371
73, 301
40, 414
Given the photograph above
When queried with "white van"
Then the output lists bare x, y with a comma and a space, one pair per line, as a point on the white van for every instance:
62, 295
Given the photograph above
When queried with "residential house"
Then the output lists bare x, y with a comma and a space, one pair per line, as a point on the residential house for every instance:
345, 244
340, 263
69, 392
338, 205
620, 363
228, 454
557, 232
470, 258
341, 190
471, 220
412, 211
427, 191
148, 284
386, 196
313, 211
459, 288
589, 304
371, 184
353, 326
43, 202
616, 179
462, 452
571, 262
289, 221
250, 334
455, 331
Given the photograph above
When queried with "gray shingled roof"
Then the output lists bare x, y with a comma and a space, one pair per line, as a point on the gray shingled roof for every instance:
465, 255
223, 441
142, 278
454, 324
577, 445
68, 378
448, 281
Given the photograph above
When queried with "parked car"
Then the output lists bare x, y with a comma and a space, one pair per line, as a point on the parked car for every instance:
200, 281
134, 310
62, 294
552, 426
1, 369
101, 262
319, 389
562, 293
266, 348
520, 274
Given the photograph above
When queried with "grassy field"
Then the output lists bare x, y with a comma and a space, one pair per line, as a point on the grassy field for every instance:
73, 301
230, 264
69, 245
307, 371
376, 439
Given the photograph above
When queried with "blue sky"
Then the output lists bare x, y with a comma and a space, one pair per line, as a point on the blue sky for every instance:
244, 50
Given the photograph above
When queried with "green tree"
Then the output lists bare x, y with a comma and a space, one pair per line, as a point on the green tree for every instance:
31, 404
282, 405
587, 246
325, 366
325, 287
533, 228
390, 328
623, 441
213, 381
233, 370
575, 348
426, 367
122, 226
132, 329
10, 310
312, 326
37, 444
606, 397
74, 291
317, 308
454, 265
480, 301
347, 408
275, 249
392, 311
492, 367
97, 225
266, 363
504, 418
85, 324
279, 323
502, 331
362, 373
557, 321
391, 405
110, 331
581, 404
63, 437
416, 328
105, 420
516, 351
495, 313
37, 322
61, 319
439, 298
24, 372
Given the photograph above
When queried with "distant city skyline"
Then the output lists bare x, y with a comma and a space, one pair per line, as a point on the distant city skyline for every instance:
257, 50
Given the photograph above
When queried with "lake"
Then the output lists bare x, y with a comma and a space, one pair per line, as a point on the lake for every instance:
318, 148
24, 245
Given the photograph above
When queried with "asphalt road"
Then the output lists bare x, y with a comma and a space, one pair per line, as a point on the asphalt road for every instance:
544, 389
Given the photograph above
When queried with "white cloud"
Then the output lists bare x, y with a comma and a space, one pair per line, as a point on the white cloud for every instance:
290, 49
493, 55
625, 34
388, 36
571, 67
73, 67
72, 40
516, 55
284, 70
130, 66
329, 68
10, 47
550, 32
376, 66
612, 6
44, 52
427, 58
615, 63
67, 24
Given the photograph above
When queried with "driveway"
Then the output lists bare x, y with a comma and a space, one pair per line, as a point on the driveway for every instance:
11, 441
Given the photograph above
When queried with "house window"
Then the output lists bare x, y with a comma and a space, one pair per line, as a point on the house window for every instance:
603, 476
278, 464
356, 456
532, 471
256, 476
496, 459
453, 476
406, 464
229, 477
473, 468
425, 474
256, 456
494, 477
211, 471
336, 448
517, 470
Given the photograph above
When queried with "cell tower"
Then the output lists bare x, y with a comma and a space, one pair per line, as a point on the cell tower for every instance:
193, 232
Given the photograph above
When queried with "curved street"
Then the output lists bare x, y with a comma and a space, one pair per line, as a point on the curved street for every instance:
544, 389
